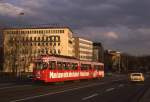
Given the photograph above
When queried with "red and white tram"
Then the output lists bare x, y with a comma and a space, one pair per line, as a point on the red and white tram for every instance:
50, 68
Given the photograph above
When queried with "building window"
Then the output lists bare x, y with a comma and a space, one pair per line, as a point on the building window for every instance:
55, 51
41, 31
54, 44
42, 38
59, 52
46, 51
62, 31
30, 38
36, 31
39, 44
34, 38
38, 38
43, 43
55, 38
46, 38
35, 44
31, 45
51, 51
26, 38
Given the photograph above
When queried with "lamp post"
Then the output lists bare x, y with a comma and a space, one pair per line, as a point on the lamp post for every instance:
118, 55
19, 48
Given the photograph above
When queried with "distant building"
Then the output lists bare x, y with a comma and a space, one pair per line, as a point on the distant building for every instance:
1, 51
112, 60
98, 52
83, 49
22, 44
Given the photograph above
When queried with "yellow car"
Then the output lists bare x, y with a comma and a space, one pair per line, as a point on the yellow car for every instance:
137, 77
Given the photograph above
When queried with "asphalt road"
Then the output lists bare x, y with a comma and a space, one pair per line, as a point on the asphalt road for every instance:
110, 89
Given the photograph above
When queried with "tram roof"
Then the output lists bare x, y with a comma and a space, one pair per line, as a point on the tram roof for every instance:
59, 56
67, 59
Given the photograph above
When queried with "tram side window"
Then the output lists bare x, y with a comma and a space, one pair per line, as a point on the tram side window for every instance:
41, 65
65, 67
84, 66
52, 65
59, 65
89, 66
97, 67
45, 65
69, 66
74, 66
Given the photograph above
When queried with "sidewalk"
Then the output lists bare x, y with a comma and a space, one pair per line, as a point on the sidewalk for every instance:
14, 79
146, 97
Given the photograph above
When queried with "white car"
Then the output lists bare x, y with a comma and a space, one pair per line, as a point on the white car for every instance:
136, 77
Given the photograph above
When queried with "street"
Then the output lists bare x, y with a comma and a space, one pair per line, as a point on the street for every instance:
109, 89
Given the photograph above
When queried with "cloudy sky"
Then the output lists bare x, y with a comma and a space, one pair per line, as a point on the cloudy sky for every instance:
119, 24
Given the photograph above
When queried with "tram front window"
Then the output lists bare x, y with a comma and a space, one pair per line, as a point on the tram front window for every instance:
41, 65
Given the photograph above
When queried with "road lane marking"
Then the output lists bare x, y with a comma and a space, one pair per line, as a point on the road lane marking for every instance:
121, 85
13, 86
110, 89
91, 96
53, 93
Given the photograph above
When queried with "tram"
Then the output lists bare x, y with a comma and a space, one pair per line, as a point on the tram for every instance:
49, 68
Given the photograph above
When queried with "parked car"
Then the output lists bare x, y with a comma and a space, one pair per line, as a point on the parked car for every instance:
136, 77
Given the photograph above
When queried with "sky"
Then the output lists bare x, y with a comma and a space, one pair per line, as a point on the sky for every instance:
122, 25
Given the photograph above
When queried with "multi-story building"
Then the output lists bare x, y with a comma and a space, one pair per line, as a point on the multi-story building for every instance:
22, 44
83, 49
98, 52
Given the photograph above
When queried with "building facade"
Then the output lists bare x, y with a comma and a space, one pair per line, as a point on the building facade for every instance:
83, 49
1, 50
21, 45
112, 60
98, 52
